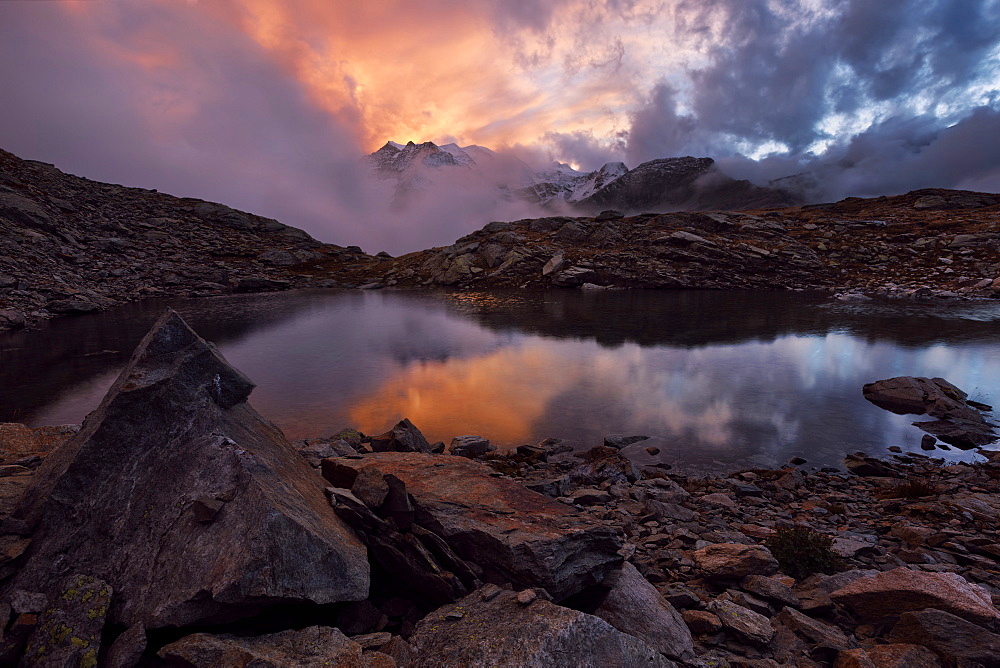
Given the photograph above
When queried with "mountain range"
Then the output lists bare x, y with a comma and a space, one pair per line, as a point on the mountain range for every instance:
667, 184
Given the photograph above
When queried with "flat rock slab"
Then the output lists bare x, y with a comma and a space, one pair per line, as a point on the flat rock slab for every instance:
475, 633
901, 590
187, 502
515, 535
312, 646
958, 423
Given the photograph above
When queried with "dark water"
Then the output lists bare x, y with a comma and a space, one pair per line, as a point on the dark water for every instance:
723, 380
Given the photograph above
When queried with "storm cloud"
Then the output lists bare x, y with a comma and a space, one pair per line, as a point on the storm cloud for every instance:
267, 106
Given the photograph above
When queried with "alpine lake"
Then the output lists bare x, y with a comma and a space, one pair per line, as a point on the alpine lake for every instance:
719, 380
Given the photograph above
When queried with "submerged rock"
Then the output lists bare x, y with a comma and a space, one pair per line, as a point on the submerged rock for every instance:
959, 422
125, 499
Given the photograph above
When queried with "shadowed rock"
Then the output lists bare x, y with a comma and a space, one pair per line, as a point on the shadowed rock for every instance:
635, 607
313, 646
124, 500
488, 629
515, 535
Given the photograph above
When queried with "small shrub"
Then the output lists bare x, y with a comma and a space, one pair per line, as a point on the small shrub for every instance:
911, 489
800, 551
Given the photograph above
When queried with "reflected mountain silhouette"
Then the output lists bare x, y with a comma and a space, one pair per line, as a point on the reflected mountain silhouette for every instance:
693, 318
37, 365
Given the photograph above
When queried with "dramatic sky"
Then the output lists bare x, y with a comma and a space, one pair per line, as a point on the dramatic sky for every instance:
266, 105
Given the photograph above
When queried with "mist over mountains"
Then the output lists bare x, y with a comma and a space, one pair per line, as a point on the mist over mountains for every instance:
417, 171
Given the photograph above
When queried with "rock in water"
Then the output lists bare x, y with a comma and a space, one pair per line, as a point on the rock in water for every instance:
174, 433
501, 632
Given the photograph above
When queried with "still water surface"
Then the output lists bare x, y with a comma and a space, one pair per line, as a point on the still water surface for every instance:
722, 380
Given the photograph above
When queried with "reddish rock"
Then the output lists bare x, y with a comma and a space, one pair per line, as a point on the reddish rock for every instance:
701, 621
515, 535
900, 590
734, 561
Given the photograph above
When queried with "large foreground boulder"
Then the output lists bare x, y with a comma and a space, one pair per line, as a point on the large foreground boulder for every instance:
185, 501
491, 629
513, 534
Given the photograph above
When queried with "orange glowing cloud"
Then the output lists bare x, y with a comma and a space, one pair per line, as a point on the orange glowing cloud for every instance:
457, 71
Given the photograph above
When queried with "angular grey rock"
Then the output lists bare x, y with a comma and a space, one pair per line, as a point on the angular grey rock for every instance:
750, 625
312, 646
815, 631
514, 534
951, 638
117, 500
417, 562
127, 649
11, 319
635, 607
502, 632
770, 588
404, 437
470, 446
69, 631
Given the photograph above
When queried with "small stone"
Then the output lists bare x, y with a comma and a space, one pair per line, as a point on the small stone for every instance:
701, 621
770, 588
455, 615
489, 591
205, 509
526, 597
470, 446
750, 625
734, 561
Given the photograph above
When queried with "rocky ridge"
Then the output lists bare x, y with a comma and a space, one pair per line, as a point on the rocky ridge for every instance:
551, 555
72, 245
925, 243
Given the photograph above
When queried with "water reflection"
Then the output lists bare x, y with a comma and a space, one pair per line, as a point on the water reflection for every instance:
722, 379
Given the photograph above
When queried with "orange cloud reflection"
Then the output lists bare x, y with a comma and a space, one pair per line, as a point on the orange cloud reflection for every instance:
503, 394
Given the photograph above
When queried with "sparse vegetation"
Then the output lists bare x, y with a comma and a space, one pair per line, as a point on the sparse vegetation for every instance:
800, 552
910, 489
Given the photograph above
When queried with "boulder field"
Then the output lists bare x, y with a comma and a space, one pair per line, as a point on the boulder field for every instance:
177, 527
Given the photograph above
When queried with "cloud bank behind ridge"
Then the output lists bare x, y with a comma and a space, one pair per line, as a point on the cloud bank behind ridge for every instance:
266, 106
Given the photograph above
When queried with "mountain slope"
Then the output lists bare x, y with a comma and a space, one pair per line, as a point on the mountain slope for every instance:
71, 245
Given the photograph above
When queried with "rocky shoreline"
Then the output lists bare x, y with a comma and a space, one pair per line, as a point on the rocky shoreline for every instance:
69, 245
178, 527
